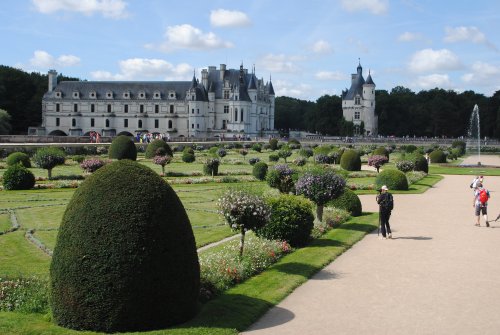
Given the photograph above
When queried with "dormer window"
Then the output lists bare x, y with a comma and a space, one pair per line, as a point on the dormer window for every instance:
58, 94
156, 95
171, 94
109, 95
142, 95
92, 95
76, 95
126, 95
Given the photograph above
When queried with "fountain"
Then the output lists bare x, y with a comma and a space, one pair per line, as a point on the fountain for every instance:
474, 134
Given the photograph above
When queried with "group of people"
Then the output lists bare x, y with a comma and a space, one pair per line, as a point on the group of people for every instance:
148, 137
480, 200
95, 137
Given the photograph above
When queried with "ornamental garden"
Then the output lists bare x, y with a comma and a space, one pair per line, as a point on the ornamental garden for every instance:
183, 238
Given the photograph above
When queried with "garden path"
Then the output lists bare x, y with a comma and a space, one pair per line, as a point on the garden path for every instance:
439, 275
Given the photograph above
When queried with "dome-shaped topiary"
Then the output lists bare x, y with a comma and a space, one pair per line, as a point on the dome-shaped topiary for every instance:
158, 147
437, 156
350, 160
188, 157
17, 177
393, 179
348, 201
125, 257
420, 162
260, 170
381, 151
291, 220
123, 147
18, 157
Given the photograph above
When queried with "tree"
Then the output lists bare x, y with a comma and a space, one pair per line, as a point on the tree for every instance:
162, 161
377, 161
5, 126
281, 176
320, 186
244, 152
285, 152
243, 211
48, 158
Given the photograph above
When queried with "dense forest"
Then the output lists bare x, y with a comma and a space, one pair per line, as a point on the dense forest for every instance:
401, 112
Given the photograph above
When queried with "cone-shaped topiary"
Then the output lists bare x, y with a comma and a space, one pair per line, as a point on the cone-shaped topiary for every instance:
17, 177
158, 147
393, 179
350, 161
348, 201
125, 257
123, 147
18, 157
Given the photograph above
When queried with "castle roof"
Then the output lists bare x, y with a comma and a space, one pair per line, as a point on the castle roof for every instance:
369, 80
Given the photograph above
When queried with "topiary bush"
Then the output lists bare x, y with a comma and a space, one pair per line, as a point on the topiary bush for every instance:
381, 151
257, 147
306, 152
420, 162
273, 144
17, 177
211, 167
18, 157
125, 257
188, 155
350, 160
253, 160
348, 201
158, 148
274, 158
405, 166
123, 147
260, 170
394, 179
460, 146
282, 177
48, 158
437, 156
291, 220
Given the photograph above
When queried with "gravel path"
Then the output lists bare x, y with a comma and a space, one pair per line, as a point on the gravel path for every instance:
439, 275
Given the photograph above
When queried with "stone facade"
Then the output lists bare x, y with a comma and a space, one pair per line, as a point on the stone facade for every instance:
227, 102
358, 104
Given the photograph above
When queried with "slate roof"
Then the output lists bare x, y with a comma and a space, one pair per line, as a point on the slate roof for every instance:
357, 83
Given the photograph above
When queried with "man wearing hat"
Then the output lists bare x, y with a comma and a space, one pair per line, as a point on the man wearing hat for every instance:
386, 204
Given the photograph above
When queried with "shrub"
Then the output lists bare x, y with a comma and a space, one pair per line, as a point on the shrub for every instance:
394, 179
291, 220
350, 161
460, 146
306, 152
285, 152
213, 151
136, 266
17, 177
300, 161
211, 167
162, 161
92, 164
48, 158
123, 147
410, 148
260, 170
253, 160
321, 159
222, 152
274, 158
381, 151
419, 162
78, 158
437, 156
281, 177
257, 147
273, 144
334, 156
320, 186
335, 216
243, 211
348, 201
377, 161
188, 157
158, 147
243, 152
405, 166
18, 157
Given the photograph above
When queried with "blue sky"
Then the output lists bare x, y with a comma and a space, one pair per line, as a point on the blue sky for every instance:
308, 48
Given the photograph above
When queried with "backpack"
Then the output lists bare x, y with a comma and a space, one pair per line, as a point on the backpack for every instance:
387, 202
483, 196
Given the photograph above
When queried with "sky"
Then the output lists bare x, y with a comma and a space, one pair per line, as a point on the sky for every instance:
307, 48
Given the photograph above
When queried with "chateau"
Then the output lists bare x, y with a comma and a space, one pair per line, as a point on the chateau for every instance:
227, 102
358, 104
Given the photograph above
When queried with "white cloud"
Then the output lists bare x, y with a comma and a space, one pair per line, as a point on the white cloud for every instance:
322, 47
409, 37
329, 75
470, 34
286, 88
482, 74
44, 60
229, 18
144, 68
434, 80
428, 60
280, 63
108, 8
186, 36
374, 6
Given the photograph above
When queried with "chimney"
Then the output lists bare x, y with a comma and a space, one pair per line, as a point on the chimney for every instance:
204, 78
222, 71
52, 80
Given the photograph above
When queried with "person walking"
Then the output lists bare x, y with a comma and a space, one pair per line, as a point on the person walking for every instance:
386, 204
480, 204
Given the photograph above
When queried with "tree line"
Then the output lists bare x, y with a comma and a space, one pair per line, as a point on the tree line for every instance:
401, 112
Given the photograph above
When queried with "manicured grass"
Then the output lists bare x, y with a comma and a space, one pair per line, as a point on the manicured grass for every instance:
239, 307
419, 187
458, 170
5, 222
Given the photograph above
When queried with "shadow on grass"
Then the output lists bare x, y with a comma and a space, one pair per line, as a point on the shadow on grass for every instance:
363, 227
